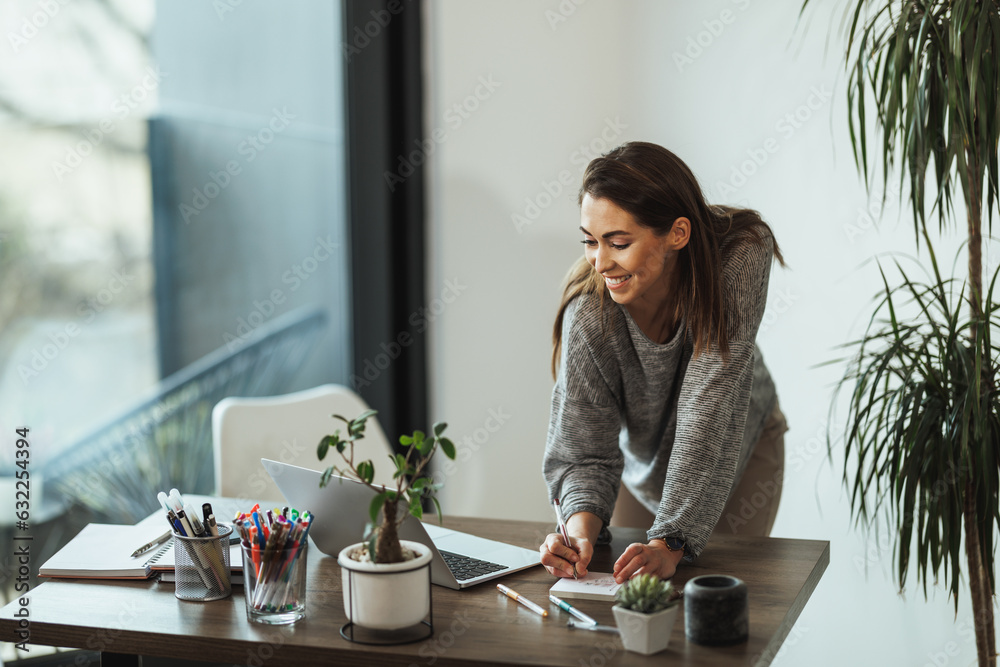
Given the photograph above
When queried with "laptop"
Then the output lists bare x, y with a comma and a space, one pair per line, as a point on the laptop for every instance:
459, 559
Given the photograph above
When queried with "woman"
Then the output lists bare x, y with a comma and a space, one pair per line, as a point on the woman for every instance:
659, 382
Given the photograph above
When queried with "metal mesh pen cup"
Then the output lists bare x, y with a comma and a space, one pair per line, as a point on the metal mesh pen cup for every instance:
202, 568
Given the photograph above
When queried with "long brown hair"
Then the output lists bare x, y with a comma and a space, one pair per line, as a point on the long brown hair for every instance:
656, 188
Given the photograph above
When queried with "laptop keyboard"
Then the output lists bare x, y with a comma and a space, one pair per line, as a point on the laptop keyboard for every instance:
465, 567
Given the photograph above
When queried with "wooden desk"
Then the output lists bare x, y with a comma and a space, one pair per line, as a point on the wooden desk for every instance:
474, 626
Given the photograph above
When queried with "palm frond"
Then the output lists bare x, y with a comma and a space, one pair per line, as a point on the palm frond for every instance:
923, 419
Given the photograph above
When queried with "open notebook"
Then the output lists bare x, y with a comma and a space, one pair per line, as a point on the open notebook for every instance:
103, 551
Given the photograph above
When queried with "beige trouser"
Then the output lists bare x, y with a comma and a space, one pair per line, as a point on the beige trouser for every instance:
752, 505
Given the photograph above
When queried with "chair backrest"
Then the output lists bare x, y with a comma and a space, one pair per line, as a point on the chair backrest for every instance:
287, 429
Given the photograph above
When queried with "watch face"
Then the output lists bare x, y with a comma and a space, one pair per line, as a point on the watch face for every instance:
674, 543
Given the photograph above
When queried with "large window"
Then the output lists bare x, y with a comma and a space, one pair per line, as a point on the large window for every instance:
76, 89
172, 183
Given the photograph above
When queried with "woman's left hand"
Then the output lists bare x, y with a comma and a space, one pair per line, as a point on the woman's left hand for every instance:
653, 558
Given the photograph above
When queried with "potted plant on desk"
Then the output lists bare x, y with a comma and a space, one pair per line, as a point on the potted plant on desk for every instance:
645, 613
385, 583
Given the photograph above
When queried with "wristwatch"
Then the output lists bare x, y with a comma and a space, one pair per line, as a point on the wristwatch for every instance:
674, 543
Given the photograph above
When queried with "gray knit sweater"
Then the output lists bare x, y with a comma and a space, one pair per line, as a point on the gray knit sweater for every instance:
677, 431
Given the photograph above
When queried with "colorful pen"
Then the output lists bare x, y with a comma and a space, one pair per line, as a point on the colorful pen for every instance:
566, 606
513, 595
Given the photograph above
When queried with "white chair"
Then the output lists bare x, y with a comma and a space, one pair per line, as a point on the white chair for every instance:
287, 428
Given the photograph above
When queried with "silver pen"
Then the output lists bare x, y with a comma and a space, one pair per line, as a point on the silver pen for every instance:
594, 628
149, 545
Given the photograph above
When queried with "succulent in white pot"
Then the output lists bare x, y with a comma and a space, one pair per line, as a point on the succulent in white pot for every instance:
645, 612
386, 581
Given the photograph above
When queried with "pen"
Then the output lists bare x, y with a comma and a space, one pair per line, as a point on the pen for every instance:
164, 501
192, 516
565, 606
211, 525
562, 529
513, 595
595, 627
149, 545
182, 517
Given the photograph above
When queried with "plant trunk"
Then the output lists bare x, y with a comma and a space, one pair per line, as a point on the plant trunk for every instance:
387, 546
979, 584
979, 578
975, 245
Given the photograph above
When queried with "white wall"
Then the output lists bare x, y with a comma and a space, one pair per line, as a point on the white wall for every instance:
557, 85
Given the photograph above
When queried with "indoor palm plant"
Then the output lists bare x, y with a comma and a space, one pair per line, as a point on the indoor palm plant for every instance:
923, 429
386, 586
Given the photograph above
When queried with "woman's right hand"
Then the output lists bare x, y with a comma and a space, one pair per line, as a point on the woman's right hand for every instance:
558, 558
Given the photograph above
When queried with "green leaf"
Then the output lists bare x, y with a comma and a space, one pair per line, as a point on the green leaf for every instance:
376, 505
324, 446
416, 509
437, 506
447, 448
439, 428
366, 471
406, 440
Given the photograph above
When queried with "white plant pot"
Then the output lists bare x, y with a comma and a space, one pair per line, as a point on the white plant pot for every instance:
645, 633
386, 596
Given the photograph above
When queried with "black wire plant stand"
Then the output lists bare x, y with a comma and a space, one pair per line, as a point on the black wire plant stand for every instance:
359, 634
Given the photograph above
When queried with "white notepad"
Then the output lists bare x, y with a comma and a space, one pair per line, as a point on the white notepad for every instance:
593, 586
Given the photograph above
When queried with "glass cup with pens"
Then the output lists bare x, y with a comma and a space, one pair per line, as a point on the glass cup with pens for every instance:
274, 546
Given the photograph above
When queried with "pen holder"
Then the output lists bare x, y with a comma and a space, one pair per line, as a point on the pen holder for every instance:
275, 583
202, 567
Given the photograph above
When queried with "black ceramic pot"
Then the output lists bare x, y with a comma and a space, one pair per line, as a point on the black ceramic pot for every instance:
715, 610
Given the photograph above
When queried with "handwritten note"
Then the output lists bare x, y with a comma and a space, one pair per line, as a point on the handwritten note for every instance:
594, 586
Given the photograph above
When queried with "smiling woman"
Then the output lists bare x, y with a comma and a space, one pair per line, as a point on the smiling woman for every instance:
663, 389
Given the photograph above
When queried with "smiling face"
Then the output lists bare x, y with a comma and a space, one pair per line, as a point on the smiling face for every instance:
635, 262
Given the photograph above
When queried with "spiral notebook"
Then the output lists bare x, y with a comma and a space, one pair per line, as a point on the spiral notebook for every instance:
103, 551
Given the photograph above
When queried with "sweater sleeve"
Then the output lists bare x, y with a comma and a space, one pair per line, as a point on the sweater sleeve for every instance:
712, 410
583, 463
